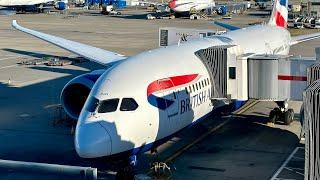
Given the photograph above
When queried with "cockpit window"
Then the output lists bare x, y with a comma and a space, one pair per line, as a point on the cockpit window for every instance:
109, 105
128, 104
92, 104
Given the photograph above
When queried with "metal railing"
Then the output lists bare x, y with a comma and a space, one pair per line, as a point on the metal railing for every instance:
55, 169
311, 101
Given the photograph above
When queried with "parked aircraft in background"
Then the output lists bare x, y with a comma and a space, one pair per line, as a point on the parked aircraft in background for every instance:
182, 6
32, 5
141, 101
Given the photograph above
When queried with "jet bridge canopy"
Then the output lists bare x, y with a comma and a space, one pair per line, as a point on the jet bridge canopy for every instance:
215, 60
220, 62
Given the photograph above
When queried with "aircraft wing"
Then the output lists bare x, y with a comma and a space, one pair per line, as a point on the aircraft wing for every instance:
91, 53
303, 38
226, 26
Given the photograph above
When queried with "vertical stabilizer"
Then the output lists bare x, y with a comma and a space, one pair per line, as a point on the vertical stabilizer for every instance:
279, 16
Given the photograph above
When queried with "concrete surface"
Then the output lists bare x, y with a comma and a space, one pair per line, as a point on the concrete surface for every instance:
293, 167
246, 148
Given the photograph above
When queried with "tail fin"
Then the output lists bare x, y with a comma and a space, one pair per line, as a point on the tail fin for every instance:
279, 16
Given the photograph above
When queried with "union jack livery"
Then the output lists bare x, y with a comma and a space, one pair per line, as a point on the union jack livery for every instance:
166, 84
279, 15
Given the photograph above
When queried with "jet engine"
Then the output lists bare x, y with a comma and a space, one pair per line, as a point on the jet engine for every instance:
60, 5
76, 91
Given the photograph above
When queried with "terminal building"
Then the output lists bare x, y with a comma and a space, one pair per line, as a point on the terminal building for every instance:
311, 7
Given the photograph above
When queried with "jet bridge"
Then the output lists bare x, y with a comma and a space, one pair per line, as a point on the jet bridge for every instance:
238, 76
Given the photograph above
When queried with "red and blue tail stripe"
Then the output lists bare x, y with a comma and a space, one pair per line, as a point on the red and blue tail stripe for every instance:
283, 3
279, 15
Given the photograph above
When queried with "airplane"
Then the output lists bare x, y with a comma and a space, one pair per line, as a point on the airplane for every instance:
183, 6
25, 5
143, 100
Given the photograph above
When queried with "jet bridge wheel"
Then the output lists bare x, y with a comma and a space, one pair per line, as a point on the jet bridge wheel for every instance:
274, 115
285, 116
288, 117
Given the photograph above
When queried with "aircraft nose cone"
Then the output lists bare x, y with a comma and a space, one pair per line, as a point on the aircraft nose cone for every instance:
92, 140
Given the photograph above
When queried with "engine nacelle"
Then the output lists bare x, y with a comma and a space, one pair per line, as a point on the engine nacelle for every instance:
76, 91
60, 5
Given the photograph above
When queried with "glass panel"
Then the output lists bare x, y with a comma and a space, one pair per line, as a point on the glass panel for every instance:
232, 73
128, 104
109, 105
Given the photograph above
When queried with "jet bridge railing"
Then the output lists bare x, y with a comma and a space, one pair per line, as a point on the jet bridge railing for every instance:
18, 169
311, 124
313, 73
312, 131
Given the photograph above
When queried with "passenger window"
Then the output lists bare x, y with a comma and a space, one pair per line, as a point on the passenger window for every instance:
186, 89
128, 104
197, 86
109, 105
190, 91
202, 83
205, 82
194, 89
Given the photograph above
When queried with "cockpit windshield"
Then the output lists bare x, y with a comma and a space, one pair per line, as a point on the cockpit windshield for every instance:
109, 105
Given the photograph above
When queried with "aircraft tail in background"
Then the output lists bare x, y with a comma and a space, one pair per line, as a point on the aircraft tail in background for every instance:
279, 16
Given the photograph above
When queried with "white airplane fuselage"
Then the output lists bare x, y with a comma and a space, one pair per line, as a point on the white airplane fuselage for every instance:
186, 5
9, 3
170, 86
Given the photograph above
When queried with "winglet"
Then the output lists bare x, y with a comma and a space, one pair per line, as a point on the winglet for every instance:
226, 26
14, 23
